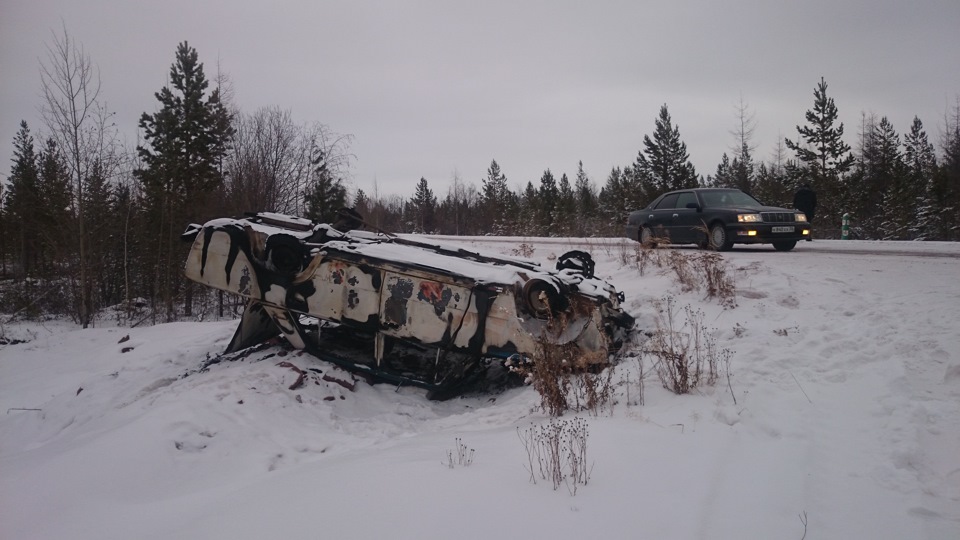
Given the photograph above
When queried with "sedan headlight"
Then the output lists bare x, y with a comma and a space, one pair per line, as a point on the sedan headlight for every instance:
801, 217
748, 218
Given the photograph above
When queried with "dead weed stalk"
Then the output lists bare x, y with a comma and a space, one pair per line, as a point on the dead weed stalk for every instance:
700, 271
557, 452
566, 382
461, 455
686, 352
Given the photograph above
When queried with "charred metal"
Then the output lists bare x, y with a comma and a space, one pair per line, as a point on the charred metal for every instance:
398, 308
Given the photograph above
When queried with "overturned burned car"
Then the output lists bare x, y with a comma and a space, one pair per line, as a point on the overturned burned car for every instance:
402, 310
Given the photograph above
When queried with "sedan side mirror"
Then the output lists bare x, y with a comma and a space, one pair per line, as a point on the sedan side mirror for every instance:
694, 206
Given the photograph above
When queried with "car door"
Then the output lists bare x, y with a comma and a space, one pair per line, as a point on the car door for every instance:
660, 217
686, 219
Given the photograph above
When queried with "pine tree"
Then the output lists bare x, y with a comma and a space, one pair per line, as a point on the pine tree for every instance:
21, 203
565, 210
890, 177
886, 208
920, 163
823, 157
547, 195
125, 243
743, 172
615, 198
586, 203
422, 208
456, 212
612, 193
529, 209
100, 228
494, 199
724, 177
187, 139
326, 195
664, 163
57, 218
948, 176
362, 203
773, 185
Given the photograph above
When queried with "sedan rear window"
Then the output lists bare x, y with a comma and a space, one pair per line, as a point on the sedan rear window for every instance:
669, 201
686, 198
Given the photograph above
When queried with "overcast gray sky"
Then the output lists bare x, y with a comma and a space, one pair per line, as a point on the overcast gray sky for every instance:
437, 88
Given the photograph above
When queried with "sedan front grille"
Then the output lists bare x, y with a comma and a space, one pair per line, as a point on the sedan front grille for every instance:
777, 217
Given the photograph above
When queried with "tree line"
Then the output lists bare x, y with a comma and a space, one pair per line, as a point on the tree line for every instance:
88, 224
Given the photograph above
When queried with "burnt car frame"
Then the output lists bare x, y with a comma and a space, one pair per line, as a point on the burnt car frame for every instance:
716, 218
402, 309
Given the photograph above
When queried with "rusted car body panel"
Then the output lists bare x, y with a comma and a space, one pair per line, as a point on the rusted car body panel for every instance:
404, 304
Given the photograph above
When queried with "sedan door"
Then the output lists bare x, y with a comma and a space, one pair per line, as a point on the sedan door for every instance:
687, 219
660, 218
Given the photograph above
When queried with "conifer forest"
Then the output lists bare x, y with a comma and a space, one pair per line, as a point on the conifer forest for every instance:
90, 225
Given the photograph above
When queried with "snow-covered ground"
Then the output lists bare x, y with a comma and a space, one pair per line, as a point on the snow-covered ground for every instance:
845, 368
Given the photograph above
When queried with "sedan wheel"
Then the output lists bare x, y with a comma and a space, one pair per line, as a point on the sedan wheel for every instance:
703, 238
786, 245
646, 237
719, 239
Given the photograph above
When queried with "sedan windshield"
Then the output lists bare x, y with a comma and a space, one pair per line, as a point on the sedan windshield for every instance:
732, 198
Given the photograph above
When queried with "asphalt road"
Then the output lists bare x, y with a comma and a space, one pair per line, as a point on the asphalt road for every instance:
949, 250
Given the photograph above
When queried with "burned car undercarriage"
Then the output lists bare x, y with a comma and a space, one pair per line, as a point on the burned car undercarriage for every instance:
400, 309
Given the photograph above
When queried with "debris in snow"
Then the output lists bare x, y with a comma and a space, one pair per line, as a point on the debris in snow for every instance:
299, 382
351, 386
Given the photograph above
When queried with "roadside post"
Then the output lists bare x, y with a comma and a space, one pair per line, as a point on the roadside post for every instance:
845, 229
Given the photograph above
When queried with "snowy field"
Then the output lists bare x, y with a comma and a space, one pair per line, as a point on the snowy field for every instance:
845, 369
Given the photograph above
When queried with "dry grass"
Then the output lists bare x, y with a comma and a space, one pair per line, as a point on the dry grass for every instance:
566, 382
523, 250
461, 455
698, 271
686, 352
551, 375
557, 452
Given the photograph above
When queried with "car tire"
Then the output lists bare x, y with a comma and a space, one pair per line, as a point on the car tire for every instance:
703, 239
286, 254
785, 245
719, 238
646, 237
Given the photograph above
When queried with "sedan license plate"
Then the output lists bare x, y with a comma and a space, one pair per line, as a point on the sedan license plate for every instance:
782, 229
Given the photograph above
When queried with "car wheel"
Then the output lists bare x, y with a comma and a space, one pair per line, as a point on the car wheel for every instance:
703, 239
285, 254
719, 239
786, 245
646, 237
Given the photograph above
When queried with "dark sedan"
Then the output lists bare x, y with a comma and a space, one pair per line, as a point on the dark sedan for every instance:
716, 218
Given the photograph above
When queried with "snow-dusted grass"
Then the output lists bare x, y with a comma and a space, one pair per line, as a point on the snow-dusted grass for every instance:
845, 367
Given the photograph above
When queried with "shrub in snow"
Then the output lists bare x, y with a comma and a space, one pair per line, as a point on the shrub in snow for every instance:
461, 455
557, 451
686, 353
